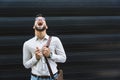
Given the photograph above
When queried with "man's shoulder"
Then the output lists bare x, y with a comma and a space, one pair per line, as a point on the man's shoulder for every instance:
55, 38
29, 40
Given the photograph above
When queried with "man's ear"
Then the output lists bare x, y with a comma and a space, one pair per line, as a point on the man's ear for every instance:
34, 27
34, 24
46, 27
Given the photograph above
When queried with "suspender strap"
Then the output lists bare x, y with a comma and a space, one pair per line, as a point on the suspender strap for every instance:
49, 40
49, 68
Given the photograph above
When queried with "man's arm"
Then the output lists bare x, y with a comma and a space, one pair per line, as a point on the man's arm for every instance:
59, 54
28, 59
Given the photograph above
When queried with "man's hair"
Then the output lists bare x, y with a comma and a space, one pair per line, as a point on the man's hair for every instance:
39, 15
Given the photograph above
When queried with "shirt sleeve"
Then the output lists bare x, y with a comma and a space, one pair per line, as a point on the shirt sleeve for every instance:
59, 54
28, 59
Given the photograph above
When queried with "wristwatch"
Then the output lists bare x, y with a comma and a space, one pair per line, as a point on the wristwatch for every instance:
50, 55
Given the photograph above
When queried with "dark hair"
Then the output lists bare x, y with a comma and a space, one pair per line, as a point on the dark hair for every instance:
39, 15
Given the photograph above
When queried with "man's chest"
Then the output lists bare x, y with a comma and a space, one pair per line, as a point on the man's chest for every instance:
40, 45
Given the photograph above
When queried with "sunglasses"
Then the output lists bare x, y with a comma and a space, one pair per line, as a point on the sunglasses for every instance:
39, 19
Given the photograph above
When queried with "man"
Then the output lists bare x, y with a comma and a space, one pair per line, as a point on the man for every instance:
35, 49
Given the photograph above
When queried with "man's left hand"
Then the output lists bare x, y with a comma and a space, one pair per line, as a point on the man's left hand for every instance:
46, 51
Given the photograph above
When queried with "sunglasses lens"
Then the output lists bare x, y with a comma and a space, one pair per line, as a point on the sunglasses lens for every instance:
38, 19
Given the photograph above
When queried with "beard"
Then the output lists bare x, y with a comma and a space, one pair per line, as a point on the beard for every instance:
40, 27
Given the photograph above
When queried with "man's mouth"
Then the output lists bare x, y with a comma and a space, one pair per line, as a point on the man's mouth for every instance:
40, 24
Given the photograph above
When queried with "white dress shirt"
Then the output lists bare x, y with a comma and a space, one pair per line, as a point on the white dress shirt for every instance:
39, 67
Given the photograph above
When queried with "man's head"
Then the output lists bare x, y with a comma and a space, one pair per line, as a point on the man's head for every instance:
40, 23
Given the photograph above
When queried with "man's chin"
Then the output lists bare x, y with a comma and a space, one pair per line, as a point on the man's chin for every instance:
40, 29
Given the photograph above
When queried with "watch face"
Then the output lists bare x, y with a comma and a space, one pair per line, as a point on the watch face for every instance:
50, 54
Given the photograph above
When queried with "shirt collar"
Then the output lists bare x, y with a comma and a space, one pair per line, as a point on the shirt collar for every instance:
45, 38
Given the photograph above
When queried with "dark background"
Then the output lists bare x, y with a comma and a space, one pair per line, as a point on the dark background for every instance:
88, 29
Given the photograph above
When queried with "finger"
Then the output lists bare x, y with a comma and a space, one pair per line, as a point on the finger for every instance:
37, 48
39, 54
44, 51
44, 48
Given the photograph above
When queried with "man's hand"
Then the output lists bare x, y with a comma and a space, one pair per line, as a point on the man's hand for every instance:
38, 53
46, 51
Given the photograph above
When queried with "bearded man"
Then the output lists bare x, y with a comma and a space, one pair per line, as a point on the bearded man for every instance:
35, 49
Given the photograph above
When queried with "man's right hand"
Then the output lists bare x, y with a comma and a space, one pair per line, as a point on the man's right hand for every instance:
38, 53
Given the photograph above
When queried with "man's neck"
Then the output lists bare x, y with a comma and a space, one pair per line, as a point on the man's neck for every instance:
41, 34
